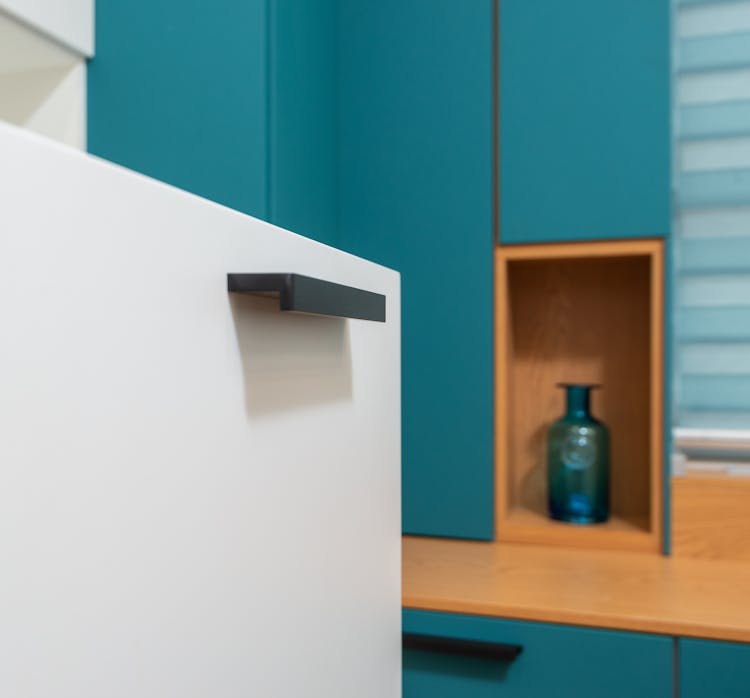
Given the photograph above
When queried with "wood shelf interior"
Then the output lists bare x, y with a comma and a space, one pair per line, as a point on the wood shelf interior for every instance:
579, 313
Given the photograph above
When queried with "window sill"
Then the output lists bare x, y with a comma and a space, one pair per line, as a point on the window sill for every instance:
715, 451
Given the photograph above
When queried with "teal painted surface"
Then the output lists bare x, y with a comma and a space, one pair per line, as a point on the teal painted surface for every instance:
585, 119
236, 102
427, 675
303, 117
710, 669
178, 90
416, 194
561, 661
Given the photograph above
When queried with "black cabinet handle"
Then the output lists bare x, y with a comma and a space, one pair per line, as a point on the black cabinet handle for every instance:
468, 648
304, 294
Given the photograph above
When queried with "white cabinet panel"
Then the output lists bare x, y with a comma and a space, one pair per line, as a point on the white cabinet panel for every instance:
199, 494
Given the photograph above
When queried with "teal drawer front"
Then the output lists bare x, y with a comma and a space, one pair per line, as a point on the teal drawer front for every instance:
711, 669
584, 119
559, 661
428, 675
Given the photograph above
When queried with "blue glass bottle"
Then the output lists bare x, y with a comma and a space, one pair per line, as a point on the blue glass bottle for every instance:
578, 461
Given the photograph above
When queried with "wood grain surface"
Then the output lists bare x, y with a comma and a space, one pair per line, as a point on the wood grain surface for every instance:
589, 313
711, 517
604, 589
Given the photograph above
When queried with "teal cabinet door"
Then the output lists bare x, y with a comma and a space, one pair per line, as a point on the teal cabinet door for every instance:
711, 669
233, 101
303, 117
415, 186
556, 660
584, 119
178, 91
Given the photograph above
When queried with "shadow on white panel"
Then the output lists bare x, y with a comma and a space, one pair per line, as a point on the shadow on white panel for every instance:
290, 360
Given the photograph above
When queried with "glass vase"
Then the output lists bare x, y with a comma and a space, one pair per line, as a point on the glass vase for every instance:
578, 461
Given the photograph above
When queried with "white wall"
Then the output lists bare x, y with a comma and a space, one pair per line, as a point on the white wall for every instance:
42, 84
68, 22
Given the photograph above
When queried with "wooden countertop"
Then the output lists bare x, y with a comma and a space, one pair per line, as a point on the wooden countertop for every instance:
624, 591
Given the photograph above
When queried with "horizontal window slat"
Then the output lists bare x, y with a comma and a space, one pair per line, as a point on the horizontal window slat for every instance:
712, 214
718, 86
701, 19
718, 222
714, 290
714, 188
715, 359
713, 419
705, 393
714, 120
689, 3
715, 154
724, 51
713, 324
716, 255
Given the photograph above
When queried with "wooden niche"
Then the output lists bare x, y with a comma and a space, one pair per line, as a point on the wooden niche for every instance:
589, 313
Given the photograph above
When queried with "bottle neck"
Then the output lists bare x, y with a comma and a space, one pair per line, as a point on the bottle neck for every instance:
578, 401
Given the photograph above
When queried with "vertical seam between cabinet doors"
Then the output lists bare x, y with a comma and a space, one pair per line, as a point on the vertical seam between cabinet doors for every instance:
676, 667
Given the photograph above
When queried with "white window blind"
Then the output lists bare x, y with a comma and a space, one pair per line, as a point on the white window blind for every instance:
712, 231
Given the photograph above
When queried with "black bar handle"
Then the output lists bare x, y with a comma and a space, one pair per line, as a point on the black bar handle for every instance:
303, 294
467, 648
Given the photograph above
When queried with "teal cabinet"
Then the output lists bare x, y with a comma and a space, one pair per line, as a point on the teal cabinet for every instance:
303, 117
233, 101
709, 669
556, 660
415, 187
178, 91
585, 113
